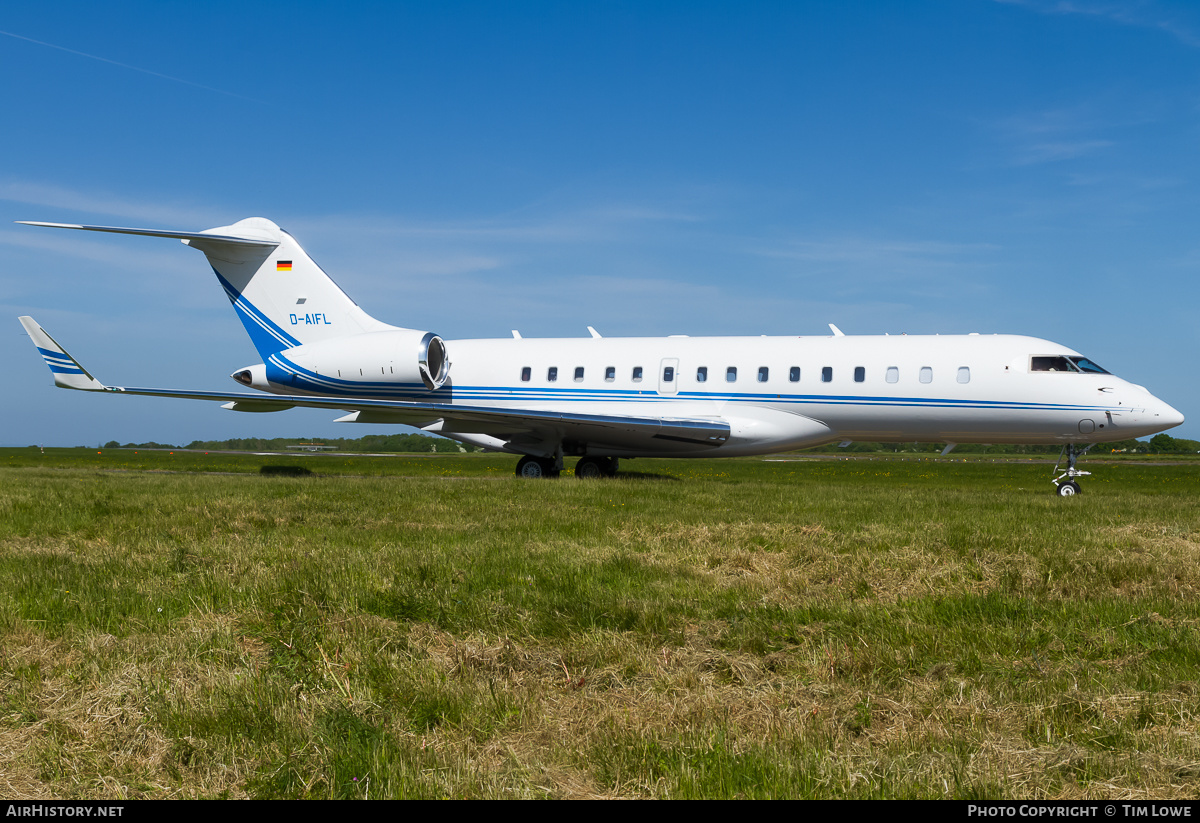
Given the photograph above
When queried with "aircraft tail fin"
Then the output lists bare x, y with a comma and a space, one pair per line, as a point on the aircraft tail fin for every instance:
282, 297
67, 371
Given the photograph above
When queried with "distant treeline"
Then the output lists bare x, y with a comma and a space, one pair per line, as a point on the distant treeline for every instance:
370, 443
1159, 444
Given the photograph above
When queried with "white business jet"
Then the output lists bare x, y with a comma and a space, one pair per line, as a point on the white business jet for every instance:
606, 398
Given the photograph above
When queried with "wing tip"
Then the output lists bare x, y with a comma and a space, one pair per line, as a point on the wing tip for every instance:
68, 373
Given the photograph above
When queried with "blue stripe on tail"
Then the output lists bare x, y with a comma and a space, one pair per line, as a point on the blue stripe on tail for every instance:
266, 335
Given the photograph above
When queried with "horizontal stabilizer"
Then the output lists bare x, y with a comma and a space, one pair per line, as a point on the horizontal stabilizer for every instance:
179, 235
68, 374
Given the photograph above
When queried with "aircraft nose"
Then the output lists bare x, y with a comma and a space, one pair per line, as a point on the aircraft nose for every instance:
1168, 416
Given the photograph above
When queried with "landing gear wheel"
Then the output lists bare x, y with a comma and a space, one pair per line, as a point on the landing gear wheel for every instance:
590, 468
534, 468
593, 467
1065, 482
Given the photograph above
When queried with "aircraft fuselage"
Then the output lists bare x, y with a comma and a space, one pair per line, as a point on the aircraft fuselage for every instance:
777, 392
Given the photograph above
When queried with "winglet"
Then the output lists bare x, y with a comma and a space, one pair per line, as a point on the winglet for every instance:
68, 374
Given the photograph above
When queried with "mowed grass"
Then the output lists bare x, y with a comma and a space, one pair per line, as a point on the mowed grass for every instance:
189, 626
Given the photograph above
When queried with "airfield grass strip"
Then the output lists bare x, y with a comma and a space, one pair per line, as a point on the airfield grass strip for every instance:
434, 627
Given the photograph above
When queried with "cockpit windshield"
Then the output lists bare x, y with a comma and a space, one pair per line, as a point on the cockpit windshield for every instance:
1087, 366
1063, 363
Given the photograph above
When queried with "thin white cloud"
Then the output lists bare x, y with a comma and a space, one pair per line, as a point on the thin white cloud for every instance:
416, 264
1052, 151
376, 229
147, 211
1146, 15
127, 66
1054, 135
562, 225
865, 250
60, 242
853, 270
543, 222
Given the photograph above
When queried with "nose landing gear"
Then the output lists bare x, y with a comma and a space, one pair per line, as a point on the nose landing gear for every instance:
1068, 487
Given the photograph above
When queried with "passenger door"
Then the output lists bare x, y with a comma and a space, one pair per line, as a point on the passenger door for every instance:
668, 376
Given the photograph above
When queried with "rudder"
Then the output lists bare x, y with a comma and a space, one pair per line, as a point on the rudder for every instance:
283, 298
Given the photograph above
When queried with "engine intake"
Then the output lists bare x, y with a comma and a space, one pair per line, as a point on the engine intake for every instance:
432, 360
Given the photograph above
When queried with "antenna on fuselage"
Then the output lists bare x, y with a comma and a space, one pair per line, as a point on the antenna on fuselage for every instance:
836, 331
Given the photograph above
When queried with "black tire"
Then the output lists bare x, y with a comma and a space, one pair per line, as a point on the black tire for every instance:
531, 468
590, 468
1068, 489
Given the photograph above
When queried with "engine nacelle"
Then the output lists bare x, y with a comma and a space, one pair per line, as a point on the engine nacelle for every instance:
393, 359
253, 376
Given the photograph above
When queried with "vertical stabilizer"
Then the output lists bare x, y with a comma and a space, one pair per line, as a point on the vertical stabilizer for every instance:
283, 298
281, 295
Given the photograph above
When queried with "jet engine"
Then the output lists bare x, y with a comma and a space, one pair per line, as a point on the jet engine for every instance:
396, 358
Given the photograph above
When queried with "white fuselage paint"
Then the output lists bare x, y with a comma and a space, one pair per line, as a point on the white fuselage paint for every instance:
1003, 401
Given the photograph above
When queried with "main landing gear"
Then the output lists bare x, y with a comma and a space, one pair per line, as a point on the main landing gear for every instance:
534, 468
587, 467
592, 467
1069, 487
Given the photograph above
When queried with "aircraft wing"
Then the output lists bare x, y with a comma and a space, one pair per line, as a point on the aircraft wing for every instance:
525, 426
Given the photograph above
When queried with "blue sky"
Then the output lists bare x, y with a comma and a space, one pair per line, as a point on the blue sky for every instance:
646, 168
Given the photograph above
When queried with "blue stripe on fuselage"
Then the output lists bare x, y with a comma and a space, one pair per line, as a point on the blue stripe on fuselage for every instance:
285, 373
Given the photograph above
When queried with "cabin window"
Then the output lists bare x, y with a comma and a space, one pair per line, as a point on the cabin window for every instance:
794, 374
668, 374
552, 374
610, 374
926, 374
579, 374
860, 374
763, 374
702, 374
526, 373
964, 374
637, 374
731, 374
892, 375
827, 374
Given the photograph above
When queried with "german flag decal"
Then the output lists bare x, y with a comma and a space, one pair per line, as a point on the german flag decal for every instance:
283, 265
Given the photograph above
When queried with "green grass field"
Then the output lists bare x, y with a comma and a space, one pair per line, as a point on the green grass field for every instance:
186, 625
